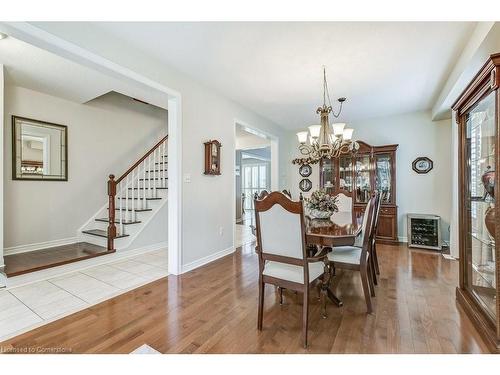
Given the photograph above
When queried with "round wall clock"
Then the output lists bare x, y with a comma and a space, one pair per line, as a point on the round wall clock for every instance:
422, 165
305, 170
305, 184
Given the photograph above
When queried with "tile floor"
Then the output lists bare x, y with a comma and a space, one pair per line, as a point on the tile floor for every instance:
26, 307
243, 235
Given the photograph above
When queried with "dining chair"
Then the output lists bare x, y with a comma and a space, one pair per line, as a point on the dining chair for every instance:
358, 258
344, 201
374, 242
283, 259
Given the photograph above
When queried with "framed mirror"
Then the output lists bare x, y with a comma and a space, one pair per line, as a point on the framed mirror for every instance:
39, 150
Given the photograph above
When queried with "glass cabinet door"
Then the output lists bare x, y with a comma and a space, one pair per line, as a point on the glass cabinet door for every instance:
480, 192
327, 174
362, 179
383, 178
345, 173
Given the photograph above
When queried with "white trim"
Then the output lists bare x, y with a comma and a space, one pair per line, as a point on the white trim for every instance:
52, 272
174, 150
42, 39
2, 156
403, 239
38, 246
208, 259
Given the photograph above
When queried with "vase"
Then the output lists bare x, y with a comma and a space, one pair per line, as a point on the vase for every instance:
318, 214
489, 221
488, 180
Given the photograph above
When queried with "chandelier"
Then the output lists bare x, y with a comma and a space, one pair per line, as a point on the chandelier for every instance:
325, 141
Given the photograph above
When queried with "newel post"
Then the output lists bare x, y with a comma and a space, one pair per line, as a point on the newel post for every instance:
111, 211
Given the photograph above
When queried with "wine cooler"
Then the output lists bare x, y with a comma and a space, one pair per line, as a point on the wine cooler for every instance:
424, 231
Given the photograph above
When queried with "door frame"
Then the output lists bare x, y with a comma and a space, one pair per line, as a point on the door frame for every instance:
274, 163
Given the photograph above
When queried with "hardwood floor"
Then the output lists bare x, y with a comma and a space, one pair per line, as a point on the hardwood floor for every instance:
18, 264
213, 309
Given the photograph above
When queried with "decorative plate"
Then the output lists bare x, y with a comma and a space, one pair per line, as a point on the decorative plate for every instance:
305, 184
305, 170
422, 165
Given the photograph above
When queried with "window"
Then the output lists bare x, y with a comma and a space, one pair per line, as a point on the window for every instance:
255, 179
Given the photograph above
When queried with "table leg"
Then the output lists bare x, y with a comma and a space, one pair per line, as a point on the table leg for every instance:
334, 298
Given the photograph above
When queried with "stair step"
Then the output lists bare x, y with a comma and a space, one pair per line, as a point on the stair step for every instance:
161, 162
105, 220
148, 199
157, 188
101, 233
142, 179
136, 210
157, 170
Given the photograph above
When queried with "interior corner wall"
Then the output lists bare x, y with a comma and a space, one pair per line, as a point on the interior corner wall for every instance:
2, 126
417, 135
105, 136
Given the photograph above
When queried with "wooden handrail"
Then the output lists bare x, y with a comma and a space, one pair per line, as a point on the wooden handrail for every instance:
141, 159
112, 188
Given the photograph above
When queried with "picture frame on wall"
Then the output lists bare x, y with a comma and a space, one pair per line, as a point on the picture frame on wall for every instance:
422, 165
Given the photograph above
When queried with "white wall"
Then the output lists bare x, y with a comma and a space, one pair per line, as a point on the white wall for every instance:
417, 135
207, 206
2, 153
105, 136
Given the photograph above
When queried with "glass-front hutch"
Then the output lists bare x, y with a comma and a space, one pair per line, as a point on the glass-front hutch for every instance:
476, 113
372, 168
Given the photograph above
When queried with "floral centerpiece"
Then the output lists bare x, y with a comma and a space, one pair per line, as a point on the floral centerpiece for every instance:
321, 205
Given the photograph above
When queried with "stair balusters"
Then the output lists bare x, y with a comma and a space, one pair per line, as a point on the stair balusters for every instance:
150, 162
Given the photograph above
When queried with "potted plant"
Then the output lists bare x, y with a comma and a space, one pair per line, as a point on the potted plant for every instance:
321, 205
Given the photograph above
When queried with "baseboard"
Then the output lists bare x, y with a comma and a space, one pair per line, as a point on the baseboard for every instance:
403, 239
38, 246
205, 260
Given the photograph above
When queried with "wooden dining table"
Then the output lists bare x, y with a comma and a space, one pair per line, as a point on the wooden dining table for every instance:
340, 230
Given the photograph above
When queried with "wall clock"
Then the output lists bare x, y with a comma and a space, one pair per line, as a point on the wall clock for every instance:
422, 165
305, 170
212, 157
305, 184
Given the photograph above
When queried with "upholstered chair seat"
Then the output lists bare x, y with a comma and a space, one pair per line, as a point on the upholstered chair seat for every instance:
291, 272
346, 255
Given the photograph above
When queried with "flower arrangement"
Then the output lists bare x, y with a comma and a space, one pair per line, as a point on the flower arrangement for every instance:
321, 205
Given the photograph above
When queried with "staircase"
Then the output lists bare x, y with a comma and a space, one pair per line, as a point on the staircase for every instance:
133, 200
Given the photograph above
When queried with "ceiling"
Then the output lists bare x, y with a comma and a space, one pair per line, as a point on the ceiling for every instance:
274, 68
36, 69
246, 140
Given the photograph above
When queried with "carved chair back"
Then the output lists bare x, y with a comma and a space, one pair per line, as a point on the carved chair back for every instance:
281, 231
345, 201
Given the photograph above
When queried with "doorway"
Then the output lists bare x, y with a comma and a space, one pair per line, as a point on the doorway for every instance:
254, 167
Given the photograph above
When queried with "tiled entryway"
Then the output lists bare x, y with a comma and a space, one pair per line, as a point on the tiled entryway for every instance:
25, 307
243, 235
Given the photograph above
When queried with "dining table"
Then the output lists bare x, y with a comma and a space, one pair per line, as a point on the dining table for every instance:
340, 229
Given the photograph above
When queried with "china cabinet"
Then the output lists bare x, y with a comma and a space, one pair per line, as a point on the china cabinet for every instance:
371, 168
477, 117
